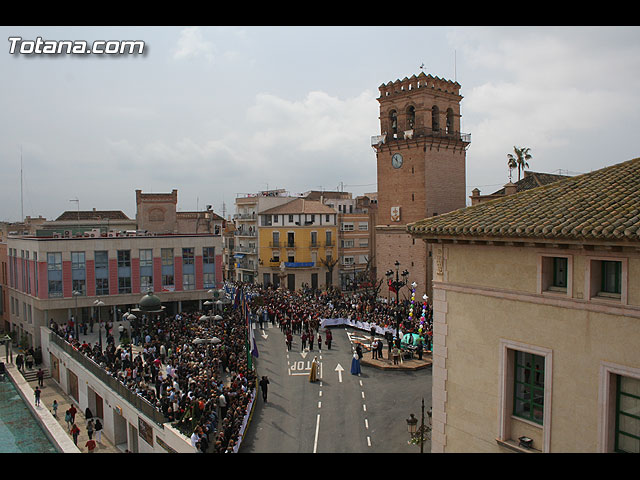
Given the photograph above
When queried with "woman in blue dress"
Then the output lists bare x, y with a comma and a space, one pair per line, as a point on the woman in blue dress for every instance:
355, 365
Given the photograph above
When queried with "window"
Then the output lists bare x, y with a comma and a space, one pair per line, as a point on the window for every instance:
348, 260
187, 256
54, 274
559, 272
411, 117
435, 120
188, 281
101, 266
328, 240
528, 388
347, 243
275, 236
363, 226
524, 402
290, 218
209, 279
146, 258
124, 258
627, 417
393, 119
146, 270
608, 279
346, 227
314, 239
449, 121
611, 276
208, 255
146, 283
78, 273
124, 271
167, 256
77, 260
556, 273
124, 284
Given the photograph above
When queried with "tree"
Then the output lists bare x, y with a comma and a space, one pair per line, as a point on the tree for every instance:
329, 263
519, 161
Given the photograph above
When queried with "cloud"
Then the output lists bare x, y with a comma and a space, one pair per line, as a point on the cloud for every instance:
192, 44
545, 88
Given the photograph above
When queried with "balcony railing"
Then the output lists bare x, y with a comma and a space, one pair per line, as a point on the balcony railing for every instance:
111, 382
421, 132
243, 233
282, 244
243, 249
245, 216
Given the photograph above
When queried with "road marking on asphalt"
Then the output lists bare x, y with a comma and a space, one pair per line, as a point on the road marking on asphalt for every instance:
315, 442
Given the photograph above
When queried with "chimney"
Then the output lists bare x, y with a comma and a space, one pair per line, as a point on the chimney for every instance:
510, 188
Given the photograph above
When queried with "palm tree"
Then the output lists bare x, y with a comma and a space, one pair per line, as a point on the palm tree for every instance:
519, 161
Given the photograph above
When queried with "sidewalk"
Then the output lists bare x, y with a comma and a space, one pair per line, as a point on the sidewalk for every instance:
57, 427
404, 364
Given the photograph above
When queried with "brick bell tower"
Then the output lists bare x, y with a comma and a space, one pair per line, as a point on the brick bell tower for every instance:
421, 157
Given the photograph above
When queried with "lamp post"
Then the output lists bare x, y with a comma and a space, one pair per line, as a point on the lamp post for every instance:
75, 296
131, 317
397, 284
99, 303
419, 434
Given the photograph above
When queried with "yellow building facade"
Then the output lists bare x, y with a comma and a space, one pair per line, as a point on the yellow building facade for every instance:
536, 300
298, 245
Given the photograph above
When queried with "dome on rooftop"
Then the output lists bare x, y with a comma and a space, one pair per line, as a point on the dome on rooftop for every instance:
150, 303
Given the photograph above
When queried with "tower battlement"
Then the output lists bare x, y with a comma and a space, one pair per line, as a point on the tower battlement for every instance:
421, 80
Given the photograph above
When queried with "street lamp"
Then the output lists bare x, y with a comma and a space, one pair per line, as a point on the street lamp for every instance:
131, 317
75, 296
421, 433
99, 303
397, 284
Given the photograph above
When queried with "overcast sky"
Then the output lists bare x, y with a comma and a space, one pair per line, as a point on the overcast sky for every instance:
219, 111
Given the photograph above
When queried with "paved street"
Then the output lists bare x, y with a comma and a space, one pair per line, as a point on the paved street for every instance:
341, 412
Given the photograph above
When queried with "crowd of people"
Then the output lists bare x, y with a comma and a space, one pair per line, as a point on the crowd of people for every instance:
204, 387
301, 312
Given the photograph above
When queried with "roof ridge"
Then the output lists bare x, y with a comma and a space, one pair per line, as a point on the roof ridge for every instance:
600, 204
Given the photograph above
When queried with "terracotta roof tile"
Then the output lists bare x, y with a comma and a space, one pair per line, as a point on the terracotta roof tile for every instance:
300, 205
600, 205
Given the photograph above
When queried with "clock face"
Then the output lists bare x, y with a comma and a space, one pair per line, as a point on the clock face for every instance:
396, 160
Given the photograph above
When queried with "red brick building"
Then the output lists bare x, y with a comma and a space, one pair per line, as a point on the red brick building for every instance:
421, 158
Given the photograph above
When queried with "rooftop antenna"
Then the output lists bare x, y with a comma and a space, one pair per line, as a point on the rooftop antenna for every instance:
77, 200
455, 67
21, 195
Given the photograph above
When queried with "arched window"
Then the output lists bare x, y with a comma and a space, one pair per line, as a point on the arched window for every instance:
449, 121
411, 117
393, 118
435, 118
